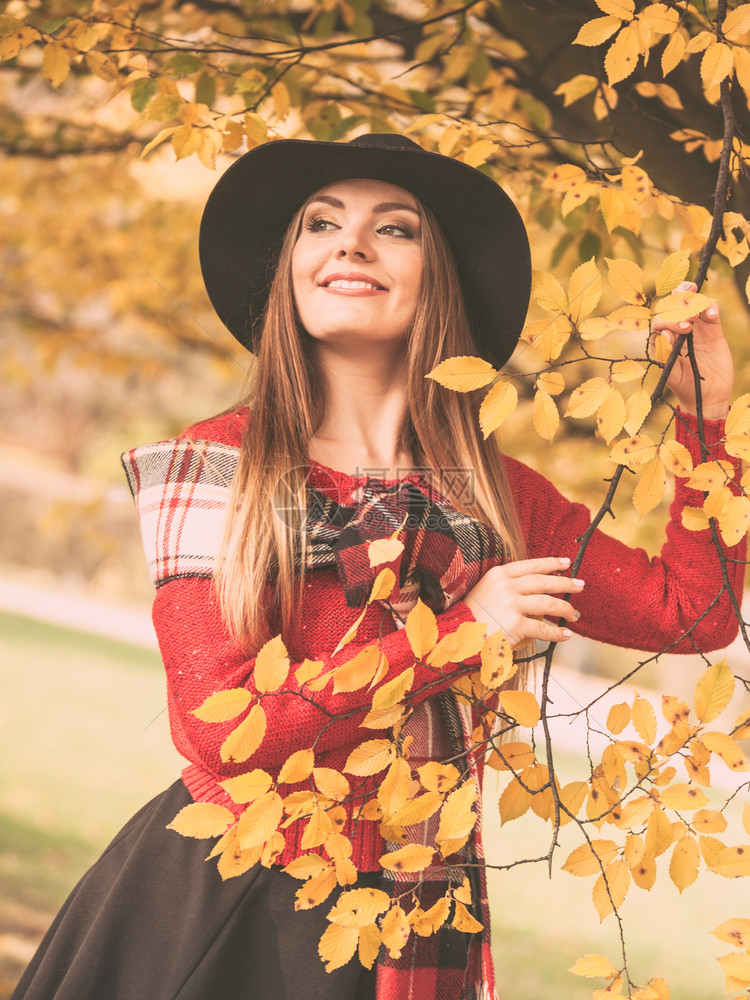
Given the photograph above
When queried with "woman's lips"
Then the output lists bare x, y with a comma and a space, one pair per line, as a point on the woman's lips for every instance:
352, 283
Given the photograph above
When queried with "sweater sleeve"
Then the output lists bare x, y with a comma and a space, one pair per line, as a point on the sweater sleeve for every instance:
200, 658
630, 599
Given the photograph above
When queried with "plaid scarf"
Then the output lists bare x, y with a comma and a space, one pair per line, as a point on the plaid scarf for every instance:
445, 553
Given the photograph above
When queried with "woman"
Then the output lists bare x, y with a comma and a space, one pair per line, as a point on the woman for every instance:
352, 270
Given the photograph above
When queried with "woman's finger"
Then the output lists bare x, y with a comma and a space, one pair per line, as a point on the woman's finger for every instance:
535, 583
546, 566
545, 606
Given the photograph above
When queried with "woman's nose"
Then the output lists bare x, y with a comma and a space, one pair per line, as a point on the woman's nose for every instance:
354, 245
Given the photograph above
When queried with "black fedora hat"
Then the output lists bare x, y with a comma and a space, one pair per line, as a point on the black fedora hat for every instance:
250, 208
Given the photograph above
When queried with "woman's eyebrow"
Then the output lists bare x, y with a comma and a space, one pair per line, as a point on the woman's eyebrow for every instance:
383, 206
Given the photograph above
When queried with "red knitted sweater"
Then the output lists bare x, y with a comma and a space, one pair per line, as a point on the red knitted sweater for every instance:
629, 600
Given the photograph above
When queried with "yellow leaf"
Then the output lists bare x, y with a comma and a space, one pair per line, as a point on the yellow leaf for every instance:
464, 921
662, 348
395, 931
627, 280
246, 787
101, 66
352, 630
683, 797
382, 586
672, 55
627, 371
612, 204
514, 801
359, 671
658, 833
427, 922
337, 946
611, 416
634, 850
726, 748
369, 757
618, 717
245, 739
316, 889
479, 152
307, 670
521, 706
384, 550
588, 859
271, 665
661, 19
391, 693
710, 475
644, 871
383, 718
588, 397
498, 665
417, 810
282, 102
546, 417
307, 866
186, 140
737, 968
676, 458
611, 888
412, 858
552, 383
369, 945
732, 862
644, 719
463, 374
714, 691
709, 821
738, 418
437, 777
738, 447
717, 63
623, 9
498, 404
259, 820
297, 767
55, 63
683, 865
622, 55
594, 967
680, 306
597, 31
223, 705
331, 782
548, 292
359, 907
457, 818
742, 69
672, 271
735, 931
511, 756
736, 23
421, 629
635, 451
202, 820
649, 490
576, 88
394, 788
700, 41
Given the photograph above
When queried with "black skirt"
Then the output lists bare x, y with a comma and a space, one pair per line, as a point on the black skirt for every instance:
152, 920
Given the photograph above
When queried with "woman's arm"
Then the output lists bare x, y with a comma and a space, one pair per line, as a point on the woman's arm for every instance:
200, 658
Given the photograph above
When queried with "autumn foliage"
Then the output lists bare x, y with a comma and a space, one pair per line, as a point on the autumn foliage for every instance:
622, 235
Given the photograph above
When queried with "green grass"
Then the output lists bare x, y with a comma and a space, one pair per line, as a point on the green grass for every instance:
85, 742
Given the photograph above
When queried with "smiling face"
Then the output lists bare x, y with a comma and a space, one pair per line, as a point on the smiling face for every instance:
357, 263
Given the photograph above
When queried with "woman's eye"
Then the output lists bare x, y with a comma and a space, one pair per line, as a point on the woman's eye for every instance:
395, 229
317, 225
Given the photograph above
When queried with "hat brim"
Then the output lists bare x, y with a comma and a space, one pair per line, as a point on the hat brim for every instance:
253, 202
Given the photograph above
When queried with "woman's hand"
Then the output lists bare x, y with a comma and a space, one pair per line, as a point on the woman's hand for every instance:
712, 354
517, 596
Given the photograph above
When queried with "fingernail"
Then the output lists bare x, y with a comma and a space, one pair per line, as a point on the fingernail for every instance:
712, 312
564, 561
577, 614
567, 633
685, 325
579, 583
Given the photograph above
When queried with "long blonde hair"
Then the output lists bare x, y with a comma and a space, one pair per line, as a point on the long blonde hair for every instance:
287, 403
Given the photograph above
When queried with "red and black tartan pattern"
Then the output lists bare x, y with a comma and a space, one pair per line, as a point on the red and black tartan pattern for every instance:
445, 551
